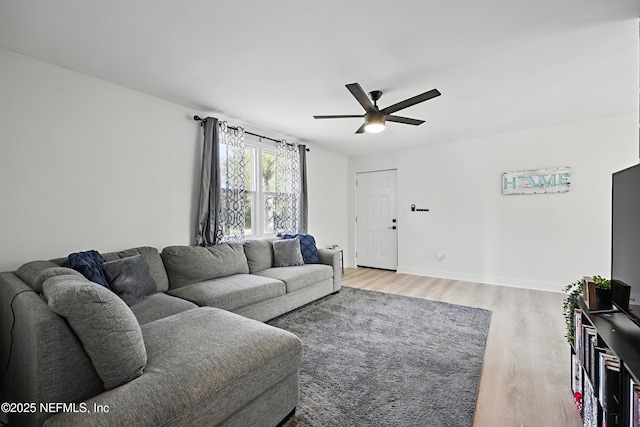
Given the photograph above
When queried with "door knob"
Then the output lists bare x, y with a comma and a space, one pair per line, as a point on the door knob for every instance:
392, 228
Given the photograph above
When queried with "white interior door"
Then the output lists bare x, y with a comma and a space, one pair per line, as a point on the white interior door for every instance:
376, 220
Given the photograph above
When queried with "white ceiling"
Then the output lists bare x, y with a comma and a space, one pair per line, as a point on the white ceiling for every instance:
501, 65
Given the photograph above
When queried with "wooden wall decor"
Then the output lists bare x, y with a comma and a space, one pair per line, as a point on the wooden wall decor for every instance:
537, 181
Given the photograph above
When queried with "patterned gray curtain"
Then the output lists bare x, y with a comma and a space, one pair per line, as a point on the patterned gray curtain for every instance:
287, 181
303, 214
233, 182
208, 230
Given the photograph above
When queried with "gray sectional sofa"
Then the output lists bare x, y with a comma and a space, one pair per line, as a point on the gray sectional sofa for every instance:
180, 344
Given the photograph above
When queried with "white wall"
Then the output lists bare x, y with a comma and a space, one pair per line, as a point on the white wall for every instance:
535, 241
328, 202
86, 164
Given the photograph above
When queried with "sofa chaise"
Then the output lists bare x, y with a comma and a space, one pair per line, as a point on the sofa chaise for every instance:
178, 339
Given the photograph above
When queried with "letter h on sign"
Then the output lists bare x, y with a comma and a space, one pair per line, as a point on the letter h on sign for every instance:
509, 182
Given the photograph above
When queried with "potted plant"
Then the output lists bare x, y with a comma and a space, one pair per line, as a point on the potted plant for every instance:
575, 291
603, 293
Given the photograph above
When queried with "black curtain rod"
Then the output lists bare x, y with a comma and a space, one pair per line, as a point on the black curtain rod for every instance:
198, 119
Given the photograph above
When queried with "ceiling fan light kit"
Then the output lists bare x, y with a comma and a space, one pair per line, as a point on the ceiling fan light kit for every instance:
374, 122
375, 118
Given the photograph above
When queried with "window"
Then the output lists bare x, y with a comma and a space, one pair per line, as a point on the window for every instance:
268, 187
264, 184
235, 174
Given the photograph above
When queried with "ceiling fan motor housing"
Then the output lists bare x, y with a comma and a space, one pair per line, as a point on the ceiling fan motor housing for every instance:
374, 117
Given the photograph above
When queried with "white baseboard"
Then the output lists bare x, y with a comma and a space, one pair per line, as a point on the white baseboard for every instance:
489, 280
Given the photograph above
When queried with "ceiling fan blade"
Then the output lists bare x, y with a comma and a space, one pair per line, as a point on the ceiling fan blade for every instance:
411, 101
339, 117
361, 128
362, 97
405, 120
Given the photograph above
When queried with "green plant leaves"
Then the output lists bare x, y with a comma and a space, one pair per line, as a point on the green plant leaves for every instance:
574, 291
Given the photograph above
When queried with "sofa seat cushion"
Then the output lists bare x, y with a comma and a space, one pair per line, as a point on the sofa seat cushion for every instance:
158, 306
203, 365
299, 276
231, 292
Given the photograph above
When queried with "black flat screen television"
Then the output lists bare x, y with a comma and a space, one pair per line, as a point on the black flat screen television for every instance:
625, 233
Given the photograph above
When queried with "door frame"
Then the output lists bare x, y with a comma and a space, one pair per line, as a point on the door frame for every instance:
357, 214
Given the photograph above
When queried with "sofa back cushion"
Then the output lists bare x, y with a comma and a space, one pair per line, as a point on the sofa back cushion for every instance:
259, 254
153, 259
191, 264
107, 328
34, 273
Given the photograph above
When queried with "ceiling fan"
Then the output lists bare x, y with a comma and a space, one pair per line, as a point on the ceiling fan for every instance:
375, 118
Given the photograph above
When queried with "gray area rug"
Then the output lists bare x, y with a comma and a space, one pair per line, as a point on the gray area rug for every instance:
376, 359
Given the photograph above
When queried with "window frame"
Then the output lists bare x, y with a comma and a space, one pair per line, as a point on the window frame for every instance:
258, 195
258, 215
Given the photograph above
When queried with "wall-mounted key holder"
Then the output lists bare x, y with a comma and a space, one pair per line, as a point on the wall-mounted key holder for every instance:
414, 209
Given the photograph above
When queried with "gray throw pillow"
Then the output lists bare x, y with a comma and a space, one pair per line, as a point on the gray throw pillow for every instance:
151, 255
287, 253
130, 279
108, 330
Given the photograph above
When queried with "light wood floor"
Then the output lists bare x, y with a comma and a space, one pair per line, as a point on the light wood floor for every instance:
526, 374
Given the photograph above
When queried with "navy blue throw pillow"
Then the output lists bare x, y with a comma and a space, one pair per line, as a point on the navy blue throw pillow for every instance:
89, 264
307, 247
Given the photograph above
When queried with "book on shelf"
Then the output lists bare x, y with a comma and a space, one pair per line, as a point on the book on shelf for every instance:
609, 387
634, 404
589, 405
576, 382
593, 358
577, 332
589, 343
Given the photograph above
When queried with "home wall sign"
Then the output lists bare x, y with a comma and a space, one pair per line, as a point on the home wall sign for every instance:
538, 181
